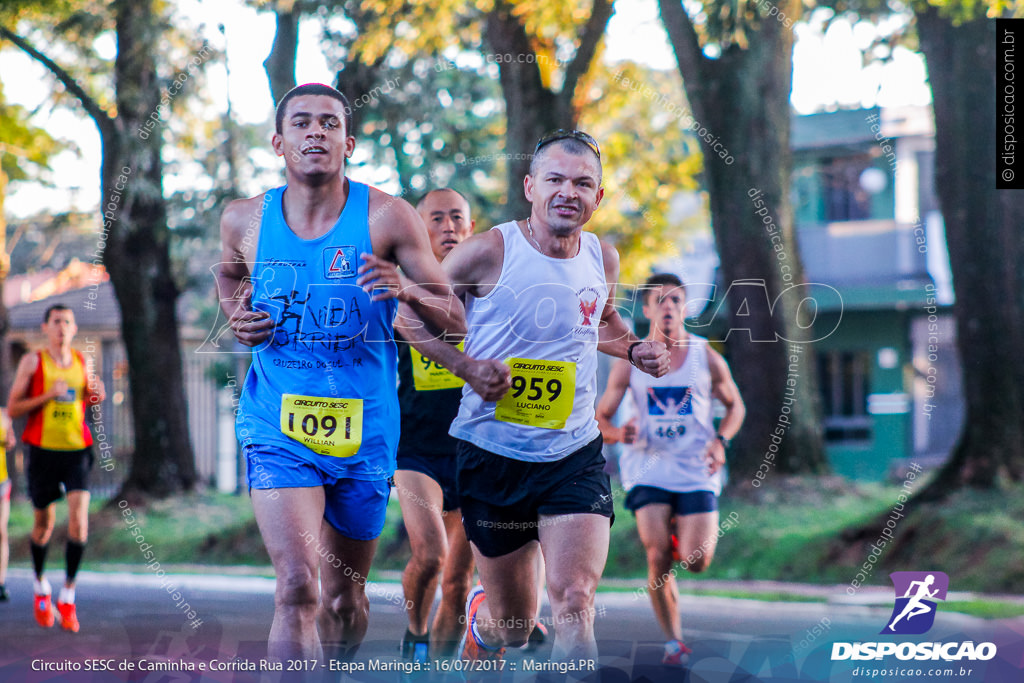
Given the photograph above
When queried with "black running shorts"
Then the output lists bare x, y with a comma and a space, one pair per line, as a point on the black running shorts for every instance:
504, 499
440, 468
48, 470
682, 504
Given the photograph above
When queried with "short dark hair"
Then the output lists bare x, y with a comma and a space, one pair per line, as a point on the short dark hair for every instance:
55, 307
572, 146
444, 189
312, 89
661, 280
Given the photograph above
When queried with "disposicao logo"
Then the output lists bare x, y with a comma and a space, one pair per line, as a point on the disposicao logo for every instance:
916, 593
914, 614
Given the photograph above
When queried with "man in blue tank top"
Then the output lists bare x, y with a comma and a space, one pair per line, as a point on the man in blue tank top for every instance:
538, 298
672, 464
308, 280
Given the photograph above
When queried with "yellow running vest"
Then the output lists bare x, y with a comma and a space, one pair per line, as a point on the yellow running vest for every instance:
59, 425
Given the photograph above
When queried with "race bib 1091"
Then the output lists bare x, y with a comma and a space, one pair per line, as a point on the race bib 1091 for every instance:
328, 426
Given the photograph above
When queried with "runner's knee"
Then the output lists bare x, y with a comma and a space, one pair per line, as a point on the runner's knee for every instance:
296, 587
659, 560
701, 563
456, 585
41, 532
576, 598
346, 606
78, 531
429, 558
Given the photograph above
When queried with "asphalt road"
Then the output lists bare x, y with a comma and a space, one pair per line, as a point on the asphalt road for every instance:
137, 627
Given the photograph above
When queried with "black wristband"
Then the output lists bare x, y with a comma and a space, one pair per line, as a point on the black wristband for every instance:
725, 441
629, 353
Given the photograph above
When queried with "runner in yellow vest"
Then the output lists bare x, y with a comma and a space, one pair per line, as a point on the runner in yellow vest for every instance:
6, 443
53, 387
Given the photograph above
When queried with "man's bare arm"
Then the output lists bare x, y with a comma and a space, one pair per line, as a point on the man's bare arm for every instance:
400, 239
618, 383
470, 266
234, 286
19, 402
10, 441
725, 390
466, 265
614, 336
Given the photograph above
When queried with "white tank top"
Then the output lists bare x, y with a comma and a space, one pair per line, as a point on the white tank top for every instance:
541, 309
674, 424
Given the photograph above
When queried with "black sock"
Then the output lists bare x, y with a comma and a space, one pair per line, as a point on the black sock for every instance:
38, 558
413, 638
73, 553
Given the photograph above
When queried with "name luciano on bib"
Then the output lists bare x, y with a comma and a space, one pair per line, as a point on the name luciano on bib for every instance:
542, 393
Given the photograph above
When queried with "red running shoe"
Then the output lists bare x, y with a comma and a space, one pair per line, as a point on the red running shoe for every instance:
480, 662
42, 608
68, 617
676, 653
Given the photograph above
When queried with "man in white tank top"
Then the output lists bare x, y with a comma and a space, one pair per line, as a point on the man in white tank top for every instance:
538, 294
672, 463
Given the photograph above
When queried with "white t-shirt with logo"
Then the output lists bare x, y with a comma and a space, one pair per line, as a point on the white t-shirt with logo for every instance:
545, 313
674, 416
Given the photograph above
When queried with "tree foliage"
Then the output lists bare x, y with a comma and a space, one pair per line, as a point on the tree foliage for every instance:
134, 242
544, 52
430, 109
650, 162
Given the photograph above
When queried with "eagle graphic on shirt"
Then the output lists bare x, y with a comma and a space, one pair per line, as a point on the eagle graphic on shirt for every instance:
588, 308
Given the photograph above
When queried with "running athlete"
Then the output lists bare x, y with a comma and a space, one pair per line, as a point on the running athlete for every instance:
429, 397
672, 463
916, 605
306, 280
538, 298
6, 444
52, 387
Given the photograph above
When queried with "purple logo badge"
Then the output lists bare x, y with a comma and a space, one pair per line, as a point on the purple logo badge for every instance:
916, 595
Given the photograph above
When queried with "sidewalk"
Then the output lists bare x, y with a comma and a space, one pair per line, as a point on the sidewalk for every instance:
259, 579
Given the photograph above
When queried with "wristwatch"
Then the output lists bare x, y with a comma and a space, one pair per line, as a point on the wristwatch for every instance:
629, 353
725, 441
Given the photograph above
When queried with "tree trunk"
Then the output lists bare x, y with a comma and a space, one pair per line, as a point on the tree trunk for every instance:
742, 116
532, 108
137, 257
280, 64
986, 248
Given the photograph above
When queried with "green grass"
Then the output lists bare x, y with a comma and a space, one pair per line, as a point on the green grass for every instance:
788, 532
781, 536
766, 596
986, 609
188, 529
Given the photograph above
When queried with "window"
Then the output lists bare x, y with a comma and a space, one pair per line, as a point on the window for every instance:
845, 199
843, 377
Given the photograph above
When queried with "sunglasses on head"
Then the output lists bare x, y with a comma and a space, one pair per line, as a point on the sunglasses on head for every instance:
562, 134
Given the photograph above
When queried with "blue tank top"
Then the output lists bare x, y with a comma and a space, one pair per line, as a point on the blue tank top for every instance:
331, 345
